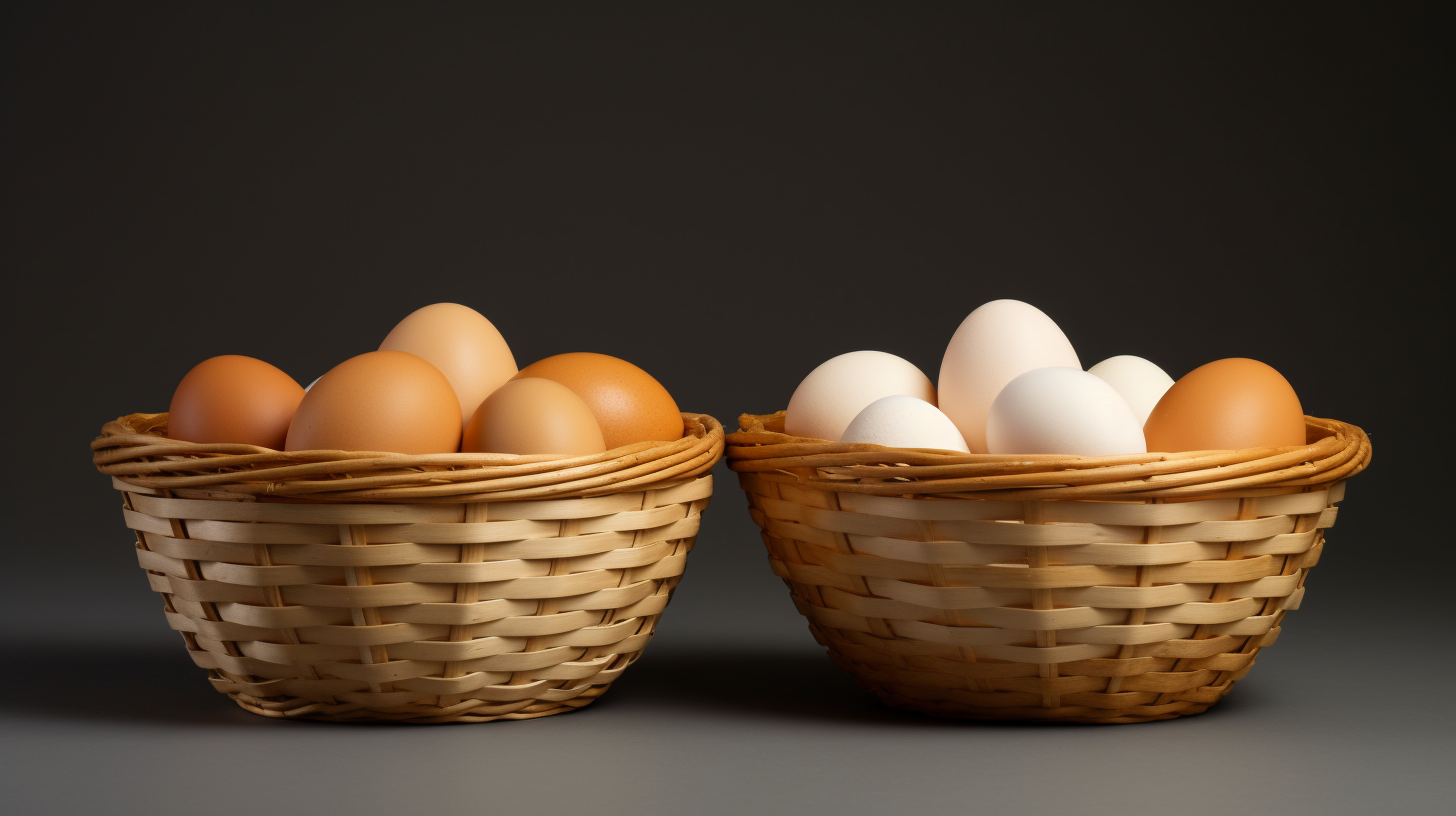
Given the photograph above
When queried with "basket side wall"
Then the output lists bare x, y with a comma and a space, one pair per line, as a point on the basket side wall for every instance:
1058, 610
430, 612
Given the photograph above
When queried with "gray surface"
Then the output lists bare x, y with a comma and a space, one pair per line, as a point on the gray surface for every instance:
733, 709
731, 730
729, 727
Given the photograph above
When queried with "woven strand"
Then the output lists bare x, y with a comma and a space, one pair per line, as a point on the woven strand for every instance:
1108, 589
135, 450
457, 594
1336, 450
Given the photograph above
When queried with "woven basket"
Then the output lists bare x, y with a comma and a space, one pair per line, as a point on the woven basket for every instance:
376, 586
1089, 589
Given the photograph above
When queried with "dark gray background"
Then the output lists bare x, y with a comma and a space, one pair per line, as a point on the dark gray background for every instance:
725, 196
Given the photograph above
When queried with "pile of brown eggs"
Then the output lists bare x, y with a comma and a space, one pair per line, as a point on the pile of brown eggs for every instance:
444, 380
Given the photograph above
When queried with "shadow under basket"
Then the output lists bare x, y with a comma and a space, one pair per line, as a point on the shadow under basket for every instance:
456, 587
1083, 589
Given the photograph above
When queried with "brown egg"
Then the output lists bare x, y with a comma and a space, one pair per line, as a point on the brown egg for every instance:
532, 415
629, 405
1226, 405
234, 399
380, 401
459, 341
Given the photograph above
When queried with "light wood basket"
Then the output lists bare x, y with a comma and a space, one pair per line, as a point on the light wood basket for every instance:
376, 586
1092, 589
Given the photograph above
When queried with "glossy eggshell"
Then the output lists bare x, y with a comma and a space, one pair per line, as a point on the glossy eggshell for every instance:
838, 389
1061, 410
1139, 381
459, 341
901, 421
381, 401
533, 415
994, 345
1227, 405
629, 405
234, 399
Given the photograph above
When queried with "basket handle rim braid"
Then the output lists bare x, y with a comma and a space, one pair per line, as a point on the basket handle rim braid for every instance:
134, 450
1333, 451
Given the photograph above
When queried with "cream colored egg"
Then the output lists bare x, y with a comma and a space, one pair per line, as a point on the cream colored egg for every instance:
1063, 411
1139, 381
834, 393
899, 421
994, 345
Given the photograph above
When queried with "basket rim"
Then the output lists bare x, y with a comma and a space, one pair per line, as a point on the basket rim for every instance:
1336, 450
135, 450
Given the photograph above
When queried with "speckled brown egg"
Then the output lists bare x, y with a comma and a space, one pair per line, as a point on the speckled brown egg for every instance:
388, 401
234, 399
1226, 405
532, 415
629, 405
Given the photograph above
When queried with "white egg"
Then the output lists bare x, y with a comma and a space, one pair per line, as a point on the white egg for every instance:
836, 391
1139, 382
904, 422
1062, 410
996, 343
312, 384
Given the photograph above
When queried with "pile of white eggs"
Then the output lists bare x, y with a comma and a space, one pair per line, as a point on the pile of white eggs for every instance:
1010, 383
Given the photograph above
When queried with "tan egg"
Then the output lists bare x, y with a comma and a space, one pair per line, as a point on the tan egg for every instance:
532, 415
630, 406
381, 401
1226, 405
234, 399
459, 341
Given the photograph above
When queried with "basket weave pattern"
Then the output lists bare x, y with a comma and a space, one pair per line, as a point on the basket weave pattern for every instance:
950, 586
469, 604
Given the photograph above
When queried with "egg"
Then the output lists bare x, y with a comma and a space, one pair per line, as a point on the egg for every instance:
1227, 405
834, 393
900, 421
234, 399
629, 405
1062, 410
462, 344
532, 415
994, 345
381, 401
1139, 382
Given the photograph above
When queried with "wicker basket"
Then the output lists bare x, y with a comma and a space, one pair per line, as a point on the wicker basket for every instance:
375, 586
1088, 589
